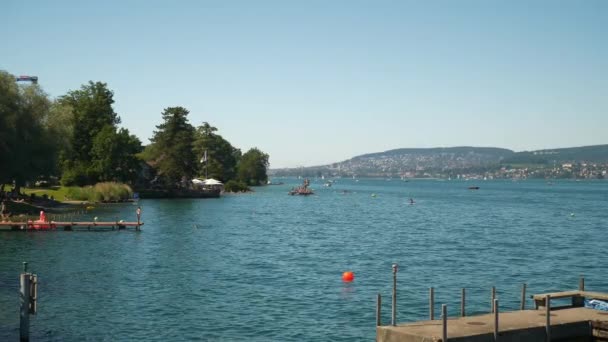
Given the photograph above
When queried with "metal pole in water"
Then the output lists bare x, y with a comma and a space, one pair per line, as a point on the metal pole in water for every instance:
523, 297
548, 314
444, 322
394, 312
24, 300
378, 310
495, 319
581, 283
462, 299
431, 303
493, 297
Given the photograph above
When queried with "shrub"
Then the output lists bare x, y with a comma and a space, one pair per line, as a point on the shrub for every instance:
236, 186
86, 193
112, 191
108, 191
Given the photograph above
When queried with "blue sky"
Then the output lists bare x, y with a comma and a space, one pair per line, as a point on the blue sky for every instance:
314, 82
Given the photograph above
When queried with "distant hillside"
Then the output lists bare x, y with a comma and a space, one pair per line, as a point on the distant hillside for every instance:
591, 154
445, 160
396, 162
400, 161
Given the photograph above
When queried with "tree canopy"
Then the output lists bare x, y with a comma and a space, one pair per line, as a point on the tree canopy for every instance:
26, 146
222, 157
253, 166
93, 147
173, 142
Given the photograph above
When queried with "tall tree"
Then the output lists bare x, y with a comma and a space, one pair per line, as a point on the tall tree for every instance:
26, 148
61, 126
92, 111
173, 139
253, 166
222, 157
9, 111
114, 155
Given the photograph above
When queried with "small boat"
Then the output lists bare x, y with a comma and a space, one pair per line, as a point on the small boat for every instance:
302, 190
473, 188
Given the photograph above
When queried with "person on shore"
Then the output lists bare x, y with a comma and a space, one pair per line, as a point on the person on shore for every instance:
3, 211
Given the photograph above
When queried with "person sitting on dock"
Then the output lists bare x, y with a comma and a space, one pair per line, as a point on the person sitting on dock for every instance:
42, 216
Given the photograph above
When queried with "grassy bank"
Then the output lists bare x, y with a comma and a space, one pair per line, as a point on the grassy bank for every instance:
100, 192
57, 192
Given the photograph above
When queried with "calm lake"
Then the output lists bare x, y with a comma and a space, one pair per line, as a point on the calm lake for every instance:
267, 266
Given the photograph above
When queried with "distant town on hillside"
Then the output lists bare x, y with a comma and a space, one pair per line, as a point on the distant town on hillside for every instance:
587, 162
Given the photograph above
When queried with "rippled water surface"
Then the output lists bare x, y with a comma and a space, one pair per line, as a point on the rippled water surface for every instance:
267, 266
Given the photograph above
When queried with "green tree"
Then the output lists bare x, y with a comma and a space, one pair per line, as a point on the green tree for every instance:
222, 157
9, 111
91, 111
95, 149
114, 155
253, 166
26, 148
61, 126
176, 161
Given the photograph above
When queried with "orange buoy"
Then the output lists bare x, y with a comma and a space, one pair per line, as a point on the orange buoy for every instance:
348, 276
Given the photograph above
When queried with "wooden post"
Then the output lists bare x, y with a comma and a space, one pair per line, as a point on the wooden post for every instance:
462, 299
523, 297
444, 322
24, 313
579, 301
431, 303
394, 311
548, 313
378, 310
495, 319
493, 297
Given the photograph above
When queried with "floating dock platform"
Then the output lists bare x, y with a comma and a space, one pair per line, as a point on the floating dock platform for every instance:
69, 226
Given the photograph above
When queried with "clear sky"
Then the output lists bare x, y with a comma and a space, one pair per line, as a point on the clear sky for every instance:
315, 82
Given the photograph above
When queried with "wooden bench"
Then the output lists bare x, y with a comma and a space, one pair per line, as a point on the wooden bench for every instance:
578, 298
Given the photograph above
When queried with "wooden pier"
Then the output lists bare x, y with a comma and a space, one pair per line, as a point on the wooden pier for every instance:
69, 226
571, 322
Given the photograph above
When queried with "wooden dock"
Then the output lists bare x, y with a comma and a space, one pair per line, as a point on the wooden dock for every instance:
570, 322
69, 226
573, 324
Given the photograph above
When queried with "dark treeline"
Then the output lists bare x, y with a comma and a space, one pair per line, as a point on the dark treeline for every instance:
76, 139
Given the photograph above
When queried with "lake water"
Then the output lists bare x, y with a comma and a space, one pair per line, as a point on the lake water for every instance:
267, 266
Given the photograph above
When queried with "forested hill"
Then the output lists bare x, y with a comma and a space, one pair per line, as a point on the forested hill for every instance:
491, 153
415, 161
590, 154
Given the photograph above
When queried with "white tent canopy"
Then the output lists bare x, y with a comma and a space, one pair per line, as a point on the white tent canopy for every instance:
212, 181
197, 181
